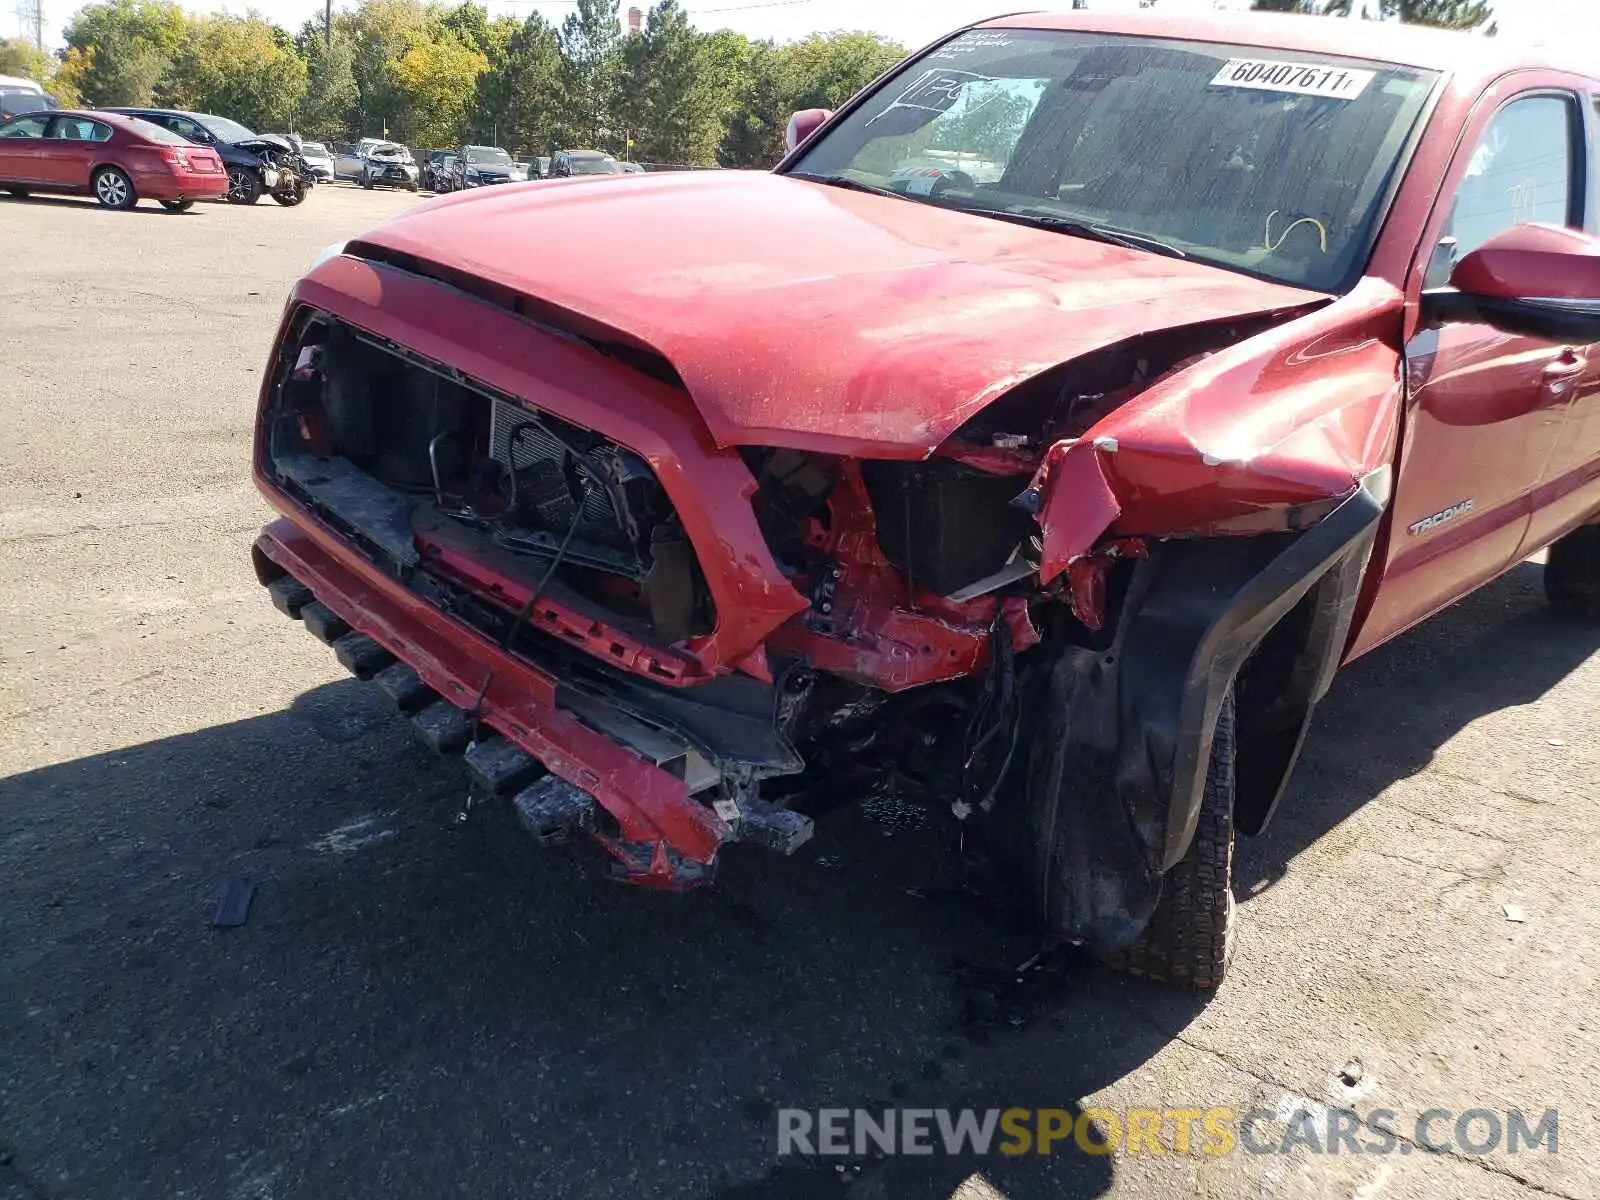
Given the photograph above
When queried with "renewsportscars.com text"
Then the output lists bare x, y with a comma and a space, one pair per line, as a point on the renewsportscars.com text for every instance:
1213, 1131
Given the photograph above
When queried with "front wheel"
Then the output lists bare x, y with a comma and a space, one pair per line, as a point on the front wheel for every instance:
114, 189
19, 193
244, 186
1189, 939
1572, 574
177, 206
290, 198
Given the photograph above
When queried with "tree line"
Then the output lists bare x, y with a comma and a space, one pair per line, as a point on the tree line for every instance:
431, 75
426, 74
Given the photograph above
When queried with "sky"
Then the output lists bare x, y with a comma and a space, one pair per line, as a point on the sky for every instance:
913, 22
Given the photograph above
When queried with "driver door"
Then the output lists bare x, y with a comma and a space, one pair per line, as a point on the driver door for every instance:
21, 149
1485, 410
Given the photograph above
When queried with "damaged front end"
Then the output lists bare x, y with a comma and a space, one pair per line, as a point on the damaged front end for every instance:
671, 644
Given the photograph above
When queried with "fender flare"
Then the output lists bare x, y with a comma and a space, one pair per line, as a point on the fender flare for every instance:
1208, 605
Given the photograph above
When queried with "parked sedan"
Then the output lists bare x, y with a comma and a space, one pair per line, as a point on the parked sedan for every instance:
118, 160
318, 161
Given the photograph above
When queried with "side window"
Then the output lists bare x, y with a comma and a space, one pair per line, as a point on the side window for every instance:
1524, 168
76, 129
99, 132
24, 127
187, 128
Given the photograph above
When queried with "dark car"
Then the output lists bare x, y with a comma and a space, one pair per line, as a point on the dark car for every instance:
566, 163
483, 166
15, 101
118, 160
1042, 469
255, 163
436, 166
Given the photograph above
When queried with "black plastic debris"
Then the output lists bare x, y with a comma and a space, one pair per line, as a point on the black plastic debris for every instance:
234, 908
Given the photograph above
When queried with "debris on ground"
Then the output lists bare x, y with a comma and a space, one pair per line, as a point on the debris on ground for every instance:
234, 908
1352, 1073
1514, 913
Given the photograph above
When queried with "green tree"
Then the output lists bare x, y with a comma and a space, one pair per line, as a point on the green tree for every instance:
589, 56
125, 49
381, 32
245, 68
752, 129
1289, 6
825, 70
18, 56
673, 92
1445, 14
329, 108
437, 76
519, 97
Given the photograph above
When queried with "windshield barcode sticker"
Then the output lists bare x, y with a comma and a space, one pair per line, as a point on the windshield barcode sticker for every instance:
1301, 79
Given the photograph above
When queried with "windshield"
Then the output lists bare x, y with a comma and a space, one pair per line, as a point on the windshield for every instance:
594, 166
479, 155
316, 148
228, 131
1267, 161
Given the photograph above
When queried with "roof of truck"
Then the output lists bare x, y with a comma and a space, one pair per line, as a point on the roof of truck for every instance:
1467, 54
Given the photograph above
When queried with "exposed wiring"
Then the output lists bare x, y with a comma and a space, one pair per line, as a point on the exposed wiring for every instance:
544, 580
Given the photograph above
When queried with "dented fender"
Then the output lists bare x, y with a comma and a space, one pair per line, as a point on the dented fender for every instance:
1264, 435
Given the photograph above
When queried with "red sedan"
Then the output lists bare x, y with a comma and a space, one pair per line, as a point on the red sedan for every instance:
118, 160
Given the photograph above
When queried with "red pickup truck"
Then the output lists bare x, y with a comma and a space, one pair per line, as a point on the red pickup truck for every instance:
1037, 440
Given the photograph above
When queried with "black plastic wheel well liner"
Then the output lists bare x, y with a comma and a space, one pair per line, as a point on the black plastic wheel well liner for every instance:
1205, 606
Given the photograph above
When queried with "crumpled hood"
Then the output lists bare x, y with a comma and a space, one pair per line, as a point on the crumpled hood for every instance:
270, 141
810, 316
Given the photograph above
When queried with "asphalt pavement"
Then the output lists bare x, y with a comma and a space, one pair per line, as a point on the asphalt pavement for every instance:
420, 1003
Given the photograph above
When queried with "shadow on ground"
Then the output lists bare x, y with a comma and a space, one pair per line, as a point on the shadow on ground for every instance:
420, 1005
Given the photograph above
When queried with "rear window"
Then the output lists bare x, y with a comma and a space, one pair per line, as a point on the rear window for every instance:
313, 148
156, 133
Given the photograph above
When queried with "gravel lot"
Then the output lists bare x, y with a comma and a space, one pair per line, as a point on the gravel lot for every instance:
420, 1006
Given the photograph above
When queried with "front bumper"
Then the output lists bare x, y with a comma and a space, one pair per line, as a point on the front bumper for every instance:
665, 839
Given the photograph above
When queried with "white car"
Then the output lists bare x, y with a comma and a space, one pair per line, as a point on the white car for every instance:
388, 164
318, 160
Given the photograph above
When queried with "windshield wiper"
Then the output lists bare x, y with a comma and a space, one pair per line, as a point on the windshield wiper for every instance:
1084, 229
845, 181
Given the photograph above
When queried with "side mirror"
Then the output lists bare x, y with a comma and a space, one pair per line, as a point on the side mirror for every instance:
803, 124
1536, 280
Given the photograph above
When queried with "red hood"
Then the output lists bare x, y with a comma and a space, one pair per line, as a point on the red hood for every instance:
805, 315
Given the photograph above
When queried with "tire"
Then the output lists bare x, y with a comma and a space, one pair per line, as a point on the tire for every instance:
290, 199
244, 186
366, 182
177, 206
114, 189
19, 193
412, 187
1572, 574
1190, 937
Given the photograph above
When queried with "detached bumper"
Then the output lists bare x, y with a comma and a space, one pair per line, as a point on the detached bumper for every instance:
666, 838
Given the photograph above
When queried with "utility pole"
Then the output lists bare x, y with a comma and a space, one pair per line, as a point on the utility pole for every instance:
327, 23
30, 17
